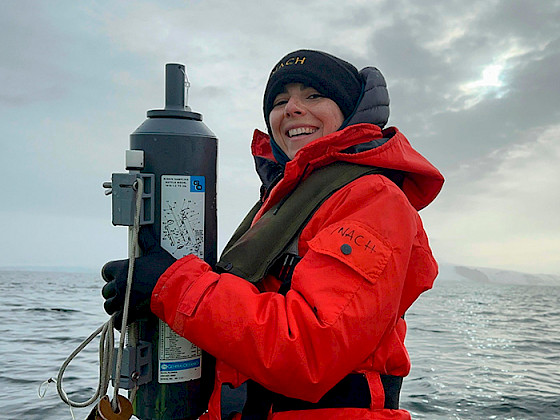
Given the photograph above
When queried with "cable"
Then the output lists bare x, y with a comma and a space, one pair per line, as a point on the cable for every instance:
106, 343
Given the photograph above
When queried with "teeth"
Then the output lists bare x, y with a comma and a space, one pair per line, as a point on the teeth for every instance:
301, 130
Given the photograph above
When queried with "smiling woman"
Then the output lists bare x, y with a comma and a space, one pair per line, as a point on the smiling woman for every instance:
304, 310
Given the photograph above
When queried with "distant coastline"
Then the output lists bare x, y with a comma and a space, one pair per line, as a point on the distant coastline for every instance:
495, 276
447, 272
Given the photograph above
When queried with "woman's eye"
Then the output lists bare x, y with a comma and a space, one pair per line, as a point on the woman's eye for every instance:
279, 102
315, 96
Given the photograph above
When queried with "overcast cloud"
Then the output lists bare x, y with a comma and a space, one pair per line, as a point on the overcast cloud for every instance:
473, 85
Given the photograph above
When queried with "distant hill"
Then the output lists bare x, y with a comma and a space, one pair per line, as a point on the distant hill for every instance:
496, 276
447, 272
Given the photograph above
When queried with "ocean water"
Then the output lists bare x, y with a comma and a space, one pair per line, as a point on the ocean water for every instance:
478, 350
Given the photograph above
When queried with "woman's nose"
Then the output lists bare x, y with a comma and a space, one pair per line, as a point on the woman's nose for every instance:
294, 107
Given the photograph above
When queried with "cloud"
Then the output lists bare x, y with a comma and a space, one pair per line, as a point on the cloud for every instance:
430, 52
80, 76
501, 210
28, 74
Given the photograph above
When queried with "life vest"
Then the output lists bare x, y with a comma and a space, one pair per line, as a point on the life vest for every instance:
255, 247
266, 247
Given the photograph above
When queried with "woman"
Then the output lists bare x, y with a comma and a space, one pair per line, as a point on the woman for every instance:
317, 329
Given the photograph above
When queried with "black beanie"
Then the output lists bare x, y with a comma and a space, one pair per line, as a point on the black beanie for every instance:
335, 78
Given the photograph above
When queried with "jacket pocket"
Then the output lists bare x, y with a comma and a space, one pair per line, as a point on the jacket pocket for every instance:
355, 245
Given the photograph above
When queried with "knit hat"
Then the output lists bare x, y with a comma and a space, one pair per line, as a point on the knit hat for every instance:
335, 78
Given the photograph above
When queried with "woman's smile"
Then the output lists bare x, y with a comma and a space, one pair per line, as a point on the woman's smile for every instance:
293, 132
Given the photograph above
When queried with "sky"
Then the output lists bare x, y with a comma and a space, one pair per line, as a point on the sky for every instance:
473, 85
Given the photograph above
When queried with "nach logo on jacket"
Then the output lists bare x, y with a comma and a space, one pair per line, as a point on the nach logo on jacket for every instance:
354, 237
355, 244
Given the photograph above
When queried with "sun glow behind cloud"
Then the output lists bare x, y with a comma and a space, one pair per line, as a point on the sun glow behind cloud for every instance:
491, 80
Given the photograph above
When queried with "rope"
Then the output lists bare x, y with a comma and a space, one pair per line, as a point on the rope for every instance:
107, 339
131, 259
105, 363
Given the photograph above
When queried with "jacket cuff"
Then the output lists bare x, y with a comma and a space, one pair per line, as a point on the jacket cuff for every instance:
173, 285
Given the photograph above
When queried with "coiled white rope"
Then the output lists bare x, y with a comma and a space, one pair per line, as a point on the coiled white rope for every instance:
106, 343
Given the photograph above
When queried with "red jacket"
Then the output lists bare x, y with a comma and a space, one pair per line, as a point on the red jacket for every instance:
343, 312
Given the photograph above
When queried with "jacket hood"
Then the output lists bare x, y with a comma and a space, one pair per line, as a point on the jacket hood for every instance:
364, 144
373, 106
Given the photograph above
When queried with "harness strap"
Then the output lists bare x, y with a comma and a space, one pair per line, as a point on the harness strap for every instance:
254, 248
351, 392
392, 387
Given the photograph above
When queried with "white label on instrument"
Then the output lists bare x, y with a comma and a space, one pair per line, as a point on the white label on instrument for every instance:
182, 215
179, 359
182, 233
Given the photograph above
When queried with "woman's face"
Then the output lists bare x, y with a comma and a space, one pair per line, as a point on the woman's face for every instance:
300, 115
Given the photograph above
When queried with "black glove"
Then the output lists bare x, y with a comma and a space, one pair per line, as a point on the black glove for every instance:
147, 270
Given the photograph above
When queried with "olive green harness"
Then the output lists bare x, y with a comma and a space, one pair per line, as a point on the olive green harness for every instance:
253, 250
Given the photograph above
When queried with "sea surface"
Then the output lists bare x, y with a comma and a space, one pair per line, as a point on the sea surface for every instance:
478, 350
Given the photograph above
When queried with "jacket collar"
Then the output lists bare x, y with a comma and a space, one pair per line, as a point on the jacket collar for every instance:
422, 181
